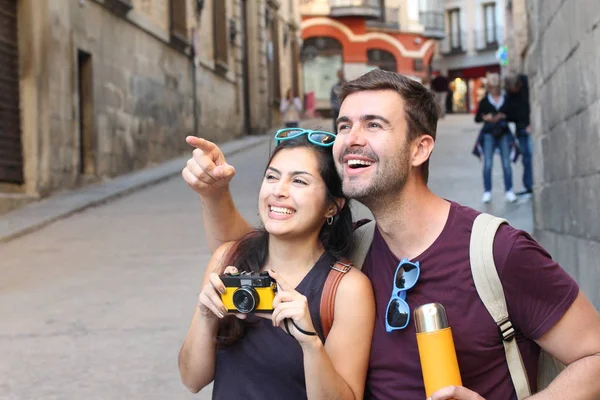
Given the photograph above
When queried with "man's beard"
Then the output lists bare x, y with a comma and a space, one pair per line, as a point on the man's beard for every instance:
388, 181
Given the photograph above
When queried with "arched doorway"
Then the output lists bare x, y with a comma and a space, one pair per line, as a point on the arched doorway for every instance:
382, 59
321, 58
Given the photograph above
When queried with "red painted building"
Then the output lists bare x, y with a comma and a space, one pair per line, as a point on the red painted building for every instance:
357, 36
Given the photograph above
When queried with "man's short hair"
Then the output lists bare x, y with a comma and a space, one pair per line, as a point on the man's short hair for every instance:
512, 82
420, 108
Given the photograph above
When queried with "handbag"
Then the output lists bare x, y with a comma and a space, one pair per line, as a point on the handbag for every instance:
499, 129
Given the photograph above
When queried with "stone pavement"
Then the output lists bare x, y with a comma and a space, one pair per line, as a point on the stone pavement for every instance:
96, 305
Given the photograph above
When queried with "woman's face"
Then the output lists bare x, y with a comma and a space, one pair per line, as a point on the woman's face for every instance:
292, 199
494, 90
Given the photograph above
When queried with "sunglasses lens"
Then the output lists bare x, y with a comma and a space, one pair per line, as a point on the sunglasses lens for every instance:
284, 134
407, 275
323, 138
397, 315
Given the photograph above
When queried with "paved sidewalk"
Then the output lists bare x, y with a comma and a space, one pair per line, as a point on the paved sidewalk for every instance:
39, 214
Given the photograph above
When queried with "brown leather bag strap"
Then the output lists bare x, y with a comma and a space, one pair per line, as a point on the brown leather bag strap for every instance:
336, 273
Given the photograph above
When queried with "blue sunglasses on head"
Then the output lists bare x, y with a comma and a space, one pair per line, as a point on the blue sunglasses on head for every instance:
320, 138
397, 314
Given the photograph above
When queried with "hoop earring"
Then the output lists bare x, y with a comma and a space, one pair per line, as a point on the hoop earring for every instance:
329, 220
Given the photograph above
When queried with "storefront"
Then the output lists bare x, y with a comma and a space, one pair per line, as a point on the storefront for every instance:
468, 87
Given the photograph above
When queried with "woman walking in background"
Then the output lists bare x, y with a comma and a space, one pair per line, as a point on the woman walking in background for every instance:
291, 108
495, 134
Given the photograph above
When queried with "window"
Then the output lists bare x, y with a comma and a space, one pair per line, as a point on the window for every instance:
178, 18
489, 17
418, 64
220, 34
273, 56
454, 29
431, 15
382, 59
178, 24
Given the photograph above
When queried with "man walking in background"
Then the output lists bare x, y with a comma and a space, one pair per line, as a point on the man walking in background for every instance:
439, 86
517, 89
335, 99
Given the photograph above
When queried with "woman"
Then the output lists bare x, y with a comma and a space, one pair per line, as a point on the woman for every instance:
307, 228
495, 134
291, 108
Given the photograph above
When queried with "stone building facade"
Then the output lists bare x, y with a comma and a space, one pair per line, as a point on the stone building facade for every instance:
564, 73
99, 88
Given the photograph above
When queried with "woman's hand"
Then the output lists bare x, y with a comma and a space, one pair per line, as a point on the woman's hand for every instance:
288, 303
209, 300
500, 116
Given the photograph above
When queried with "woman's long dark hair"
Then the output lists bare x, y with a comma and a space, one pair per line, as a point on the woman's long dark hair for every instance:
251, 252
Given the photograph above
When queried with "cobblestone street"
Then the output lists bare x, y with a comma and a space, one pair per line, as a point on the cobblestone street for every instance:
96, 306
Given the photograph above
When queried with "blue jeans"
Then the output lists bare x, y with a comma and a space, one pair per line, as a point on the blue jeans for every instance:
489, 145
526, 149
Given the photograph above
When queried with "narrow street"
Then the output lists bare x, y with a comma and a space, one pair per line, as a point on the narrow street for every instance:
96, 306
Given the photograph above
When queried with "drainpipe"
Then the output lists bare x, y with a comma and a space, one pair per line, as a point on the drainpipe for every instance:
194, 83
199, 8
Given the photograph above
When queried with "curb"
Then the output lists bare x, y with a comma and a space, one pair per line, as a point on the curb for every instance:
35, 216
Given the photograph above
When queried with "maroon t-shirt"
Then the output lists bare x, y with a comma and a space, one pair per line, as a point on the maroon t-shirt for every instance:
538, 293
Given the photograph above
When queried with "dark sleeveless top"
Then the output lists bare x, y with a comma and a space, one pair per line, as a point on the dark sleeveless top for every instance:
267, 363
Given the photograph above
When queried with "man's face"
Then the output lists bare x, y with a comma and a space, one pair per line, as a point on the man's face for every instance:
514, 88
371, 150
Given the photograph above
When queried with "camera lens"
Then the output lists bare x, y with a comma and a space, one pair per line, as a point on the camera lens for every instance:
245, 299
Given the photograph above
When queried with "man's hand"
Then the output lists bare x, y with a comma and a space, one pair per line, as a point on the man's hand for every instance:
207, 172
456, 393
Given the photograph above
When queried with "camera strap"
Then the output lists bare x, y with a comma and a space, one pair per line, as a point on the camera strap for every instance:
336, 273
287, 328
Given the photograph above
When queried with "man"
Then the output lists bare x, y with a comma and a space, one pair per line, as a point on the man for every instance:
334, 98
382, 156
517, 88
440, 86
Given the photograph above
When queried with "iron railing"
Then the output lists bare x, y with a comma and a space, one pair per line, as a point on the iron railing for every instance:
356, 8
454, 43
390, 19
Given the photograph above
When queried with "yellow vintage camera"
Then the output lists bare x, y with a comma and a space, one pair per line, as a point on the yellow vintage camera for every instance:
248, 292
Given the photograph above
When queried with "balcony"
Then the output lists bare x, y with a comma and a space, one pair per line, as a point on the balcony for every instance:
370, 9
433, 24
454, 43
488, 39
390, 20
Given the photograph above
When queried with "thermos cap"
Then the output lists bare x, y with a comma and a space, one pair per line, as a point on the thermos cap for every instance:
430, 317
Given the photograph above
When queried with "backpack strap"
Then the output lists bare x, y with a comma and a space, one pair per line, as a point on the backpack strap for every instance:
362, 237
489, 288
327, 308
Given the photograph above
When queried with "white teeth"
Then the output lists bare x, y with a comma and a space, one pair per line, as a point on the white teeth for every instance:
281, 210
359, 162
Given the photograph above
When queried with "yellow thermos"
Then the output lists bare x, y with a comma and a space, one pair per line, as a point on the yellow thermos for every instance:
436, 348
